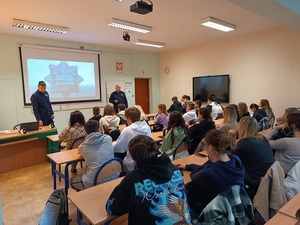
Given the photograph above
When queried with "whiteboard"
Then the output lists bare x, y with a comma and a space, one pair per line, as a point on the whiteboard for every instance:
111, 87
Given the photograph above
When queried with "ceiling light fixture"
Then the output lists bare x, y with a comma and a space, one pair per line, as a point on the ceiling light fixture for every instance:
217, 24
39, 26
149, 43
125, 25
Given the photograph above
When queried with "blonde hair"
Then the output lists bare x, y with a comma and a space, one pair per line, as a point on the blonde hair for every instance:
248, 128
229, 114
143, 115
242, 108
264, 103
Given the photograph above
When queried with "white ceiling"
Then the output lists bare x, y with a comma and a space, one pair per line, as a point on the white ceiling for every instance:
174, 22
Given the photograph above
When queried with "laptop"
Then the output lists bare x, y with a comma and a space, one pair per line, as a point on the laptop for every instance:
30, 126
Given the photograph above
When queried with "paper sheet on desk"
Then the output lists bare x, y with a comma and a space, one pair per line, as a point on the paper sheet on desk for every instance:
4, 131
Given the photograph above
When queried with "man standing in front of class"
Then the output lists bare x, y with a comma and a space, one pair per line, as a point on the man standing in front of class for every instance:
41, 105
118, 97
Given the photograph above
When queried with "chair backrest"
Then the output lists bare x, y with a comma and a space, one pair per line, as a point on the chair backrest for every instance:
181, 150
231, 206
270, 195
263, 124
109, 170
77, 142
114, 134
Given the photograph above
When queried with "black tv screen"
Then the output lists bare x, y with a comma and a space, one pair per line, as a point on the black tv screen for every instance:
207, 85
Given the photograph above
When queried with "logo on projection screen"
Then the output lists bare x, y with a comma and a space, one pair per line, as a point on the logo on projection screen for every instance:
64, 79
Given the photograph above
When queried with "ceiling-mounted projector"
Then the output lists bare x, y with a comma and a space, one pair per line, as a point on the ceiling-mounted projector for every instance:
141, 7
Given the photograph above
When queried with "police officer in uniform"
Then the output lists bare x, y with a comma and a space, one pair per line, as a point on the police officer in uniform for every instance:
42, 108
118, 97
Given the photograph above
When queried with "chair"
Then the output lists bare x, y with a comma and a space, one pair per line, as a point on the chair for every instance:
232, 206
114, 134
76, 143
263, 124
181, 150
109, 170
270, 195
16, 127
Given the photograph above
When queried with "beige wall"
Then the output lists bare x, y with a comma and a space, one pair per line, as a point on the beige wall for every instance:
264, 64
136, 64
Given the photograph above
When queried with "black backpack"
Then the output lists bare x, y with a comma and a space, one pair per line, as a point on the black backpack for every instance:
56, 209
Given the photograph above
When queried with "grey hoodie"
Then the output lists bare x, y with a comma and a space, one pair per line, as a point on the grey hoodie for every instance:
96, 149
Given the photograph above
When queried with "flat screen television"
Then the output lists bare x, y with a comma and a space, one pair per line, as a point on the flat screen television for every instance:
207, 85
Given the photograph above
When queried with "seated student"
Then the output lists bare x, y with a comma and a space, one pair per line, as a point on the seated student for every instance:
96, 149
190, 116
282, 129
218, 174
185, 99
230, 120
109, 121
236, 110
176, 106
258, 113
287, 150
177, 132
135, 127
254, 151
143, 115
154, 193
161, 119
75, 130
243, 110
198, 105
96, 113
214, 107
121, 113
197, 132
264, 104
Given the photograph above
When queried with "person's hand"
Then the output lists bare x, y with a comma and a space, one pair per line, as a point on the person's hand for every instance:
232, 133
279, 121
41, 123
52, 116
181, 166
116, 101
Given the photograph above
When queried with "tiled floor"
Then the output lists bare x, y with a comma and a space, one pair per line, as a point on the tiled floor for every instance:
24, 194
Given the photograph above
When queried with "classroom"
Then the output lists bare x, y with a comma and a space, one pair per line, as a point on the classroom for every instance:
261, 56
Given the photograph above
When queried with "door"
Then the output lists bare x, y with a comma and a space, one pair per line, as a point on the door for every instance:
142, 94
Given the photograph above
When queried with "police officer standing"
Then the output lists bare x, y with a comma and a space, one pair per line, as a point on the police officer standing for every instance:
42, 108
118, 97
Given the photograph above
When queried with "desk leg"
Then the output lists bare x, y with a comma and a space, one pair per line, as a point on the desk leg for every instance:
53, 167
67, 177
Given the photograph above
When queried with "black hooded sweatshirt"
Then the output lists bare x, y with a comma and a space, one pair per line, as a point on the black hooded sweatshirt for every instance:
153, 193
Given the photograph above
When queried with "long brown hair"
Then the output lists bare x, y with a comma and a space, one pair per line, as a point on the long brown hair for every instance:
264, 103
163, 109
176, 120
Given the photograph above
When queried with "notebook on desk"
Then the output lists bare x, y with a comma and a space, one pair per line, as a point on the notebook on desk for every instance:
30, 126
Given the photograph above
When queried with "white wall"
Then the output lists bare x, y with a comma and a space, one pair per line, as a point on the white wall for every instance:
264, 64
136, 64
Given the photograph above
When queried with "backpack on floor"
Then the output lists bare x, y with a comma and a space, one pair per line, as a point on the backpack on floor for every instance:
56, 209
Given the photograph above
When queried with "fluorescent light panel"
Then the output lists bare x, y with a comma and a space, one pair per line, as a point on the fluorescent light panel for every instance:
149, 43
39, 26
125, 25
217, 24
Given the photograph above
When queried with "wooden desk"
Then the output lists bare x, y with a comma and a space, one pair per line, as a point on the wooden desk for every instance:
157, 136
122, 126
192, 159
91, 202
219, 122
265, 132
63, 157
22, 150
151, 123
281, 219
291, 207
150, 115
